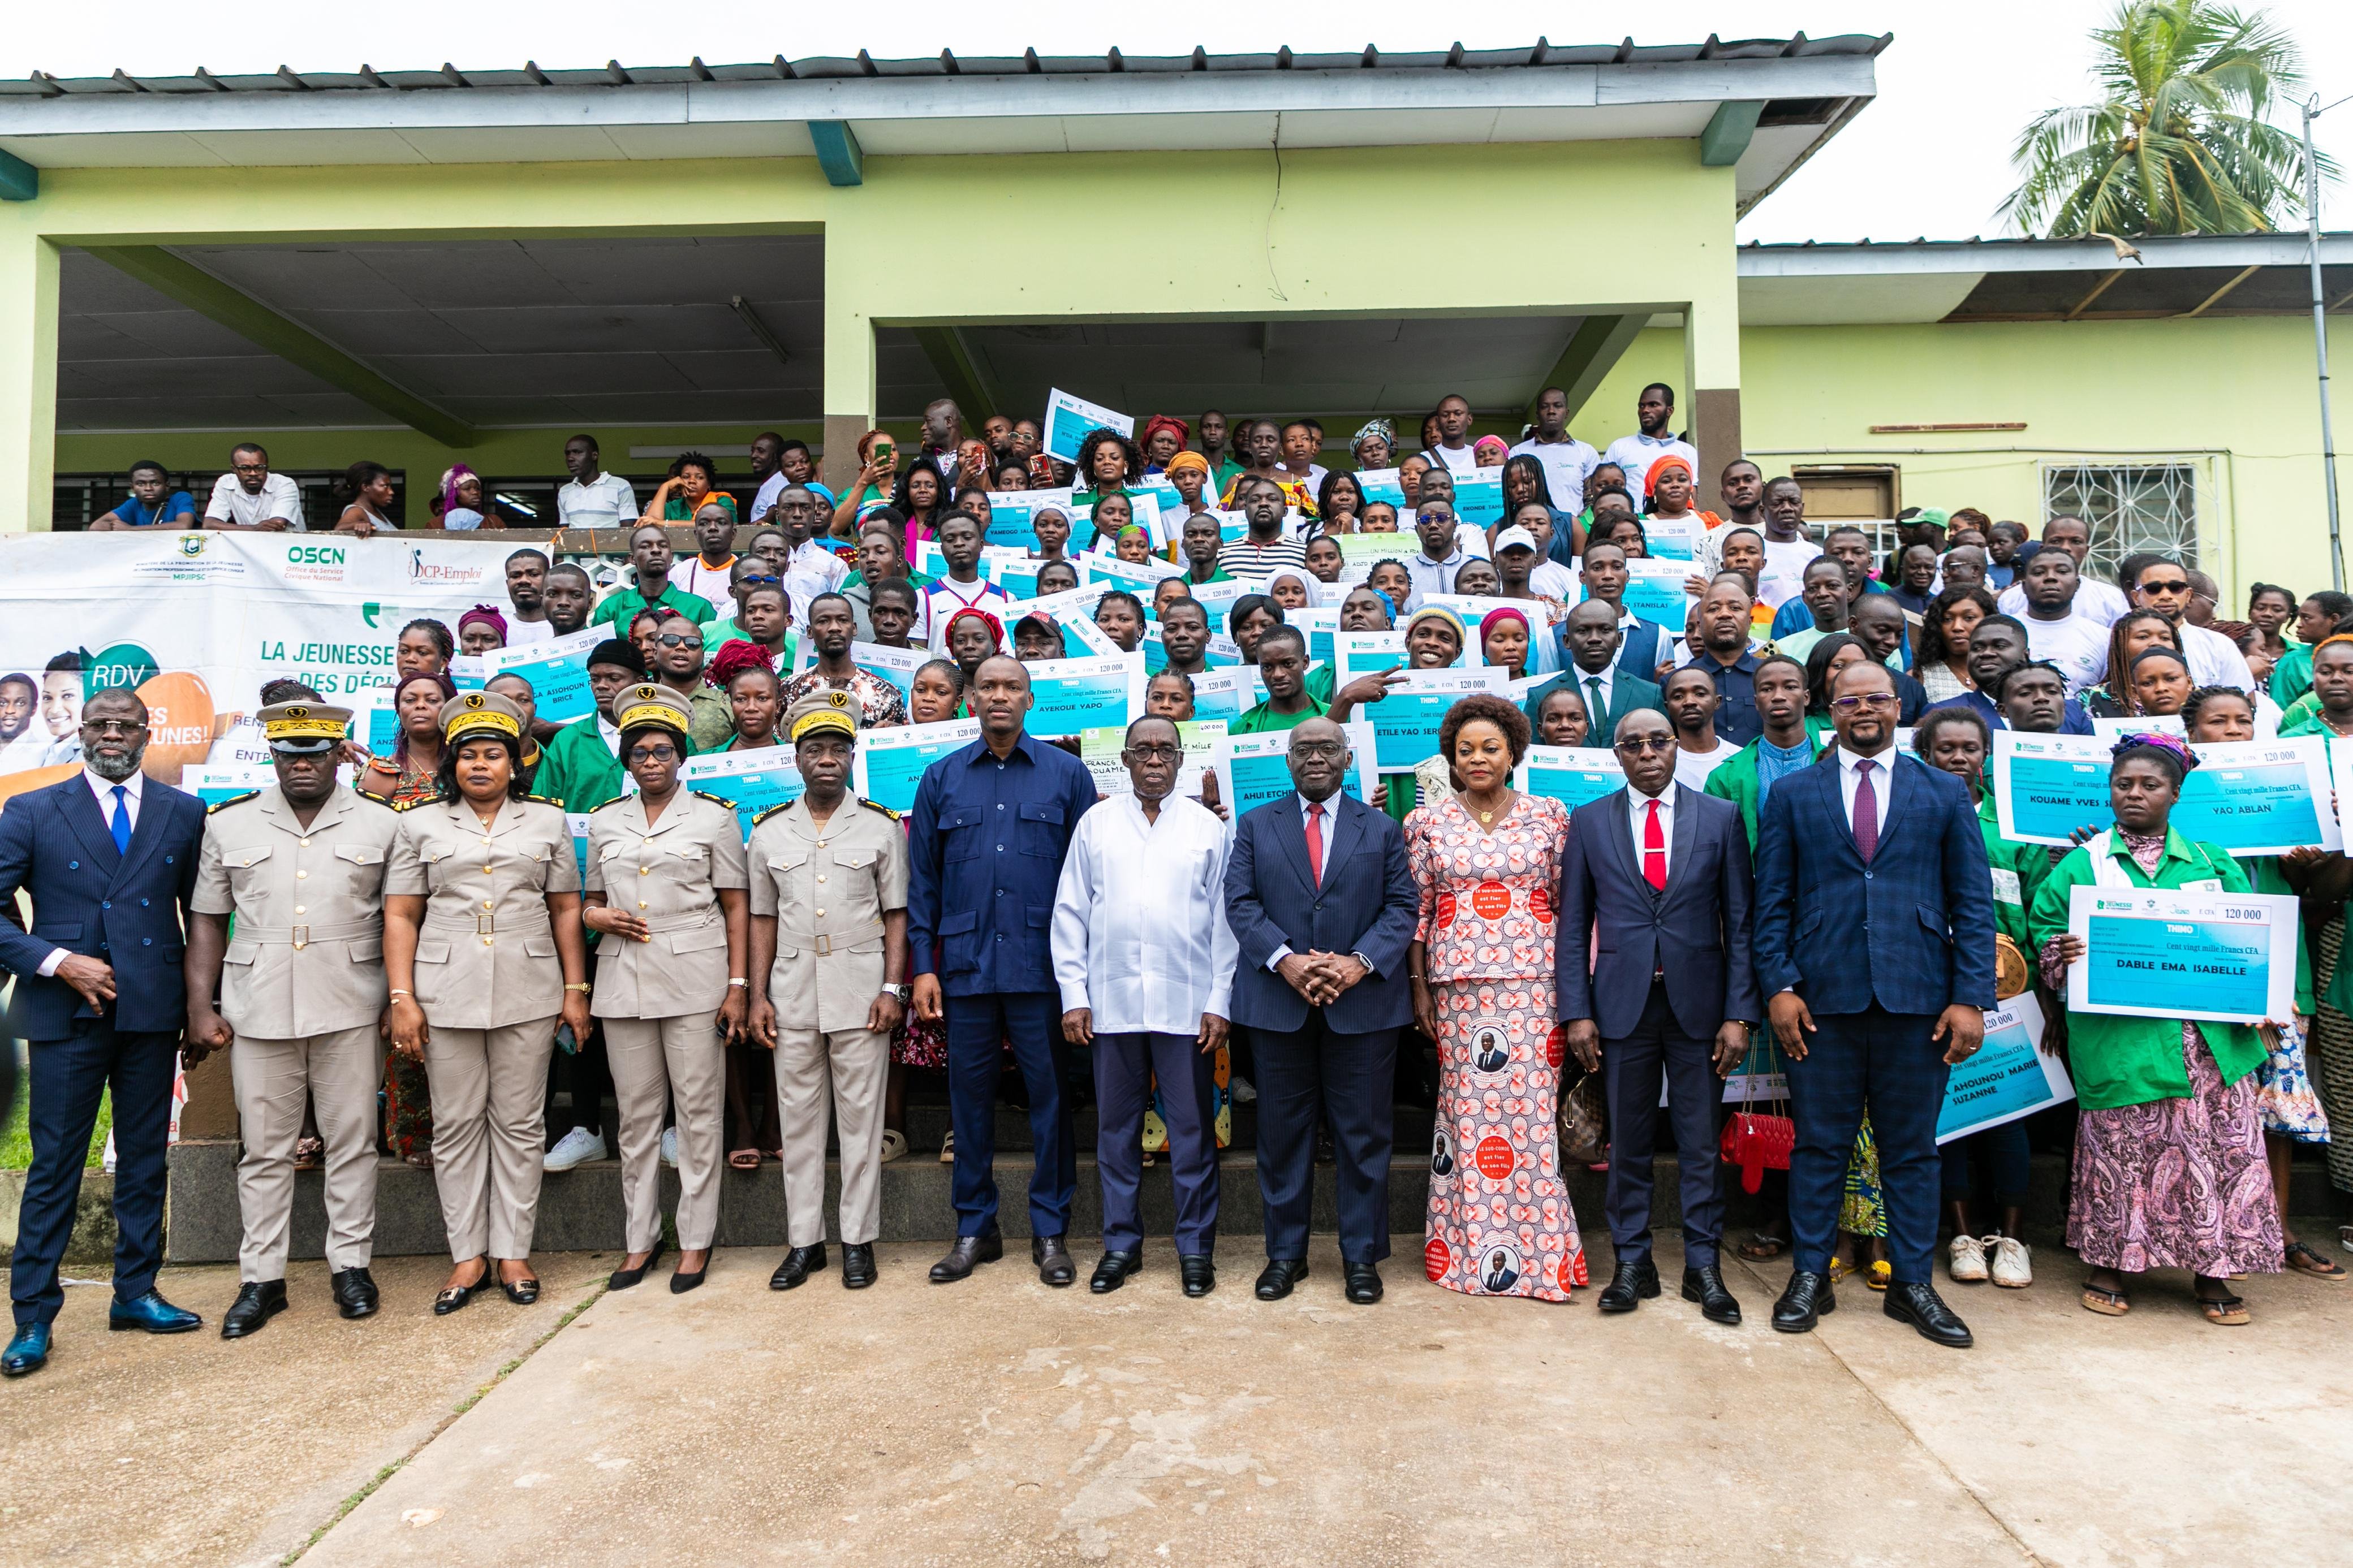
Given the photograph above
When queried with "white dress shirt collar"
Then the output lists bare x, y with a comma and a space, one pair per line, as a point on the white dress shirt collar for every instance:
103, 789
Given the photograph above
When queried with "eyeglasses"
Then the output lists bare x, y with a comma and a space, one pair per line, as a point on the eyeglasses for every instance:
759, 579
1156, 753
113, 727
672, 639
652, 754
1867, 700
2174, 586
1321, 749
1638, 745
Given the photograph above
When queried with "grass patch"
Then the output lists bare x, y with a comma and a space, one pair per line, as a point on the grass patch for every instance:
16, 1142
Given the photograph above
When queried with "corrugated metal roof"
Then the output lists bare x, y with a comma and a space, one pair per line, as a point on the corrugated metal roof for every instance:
1539, 55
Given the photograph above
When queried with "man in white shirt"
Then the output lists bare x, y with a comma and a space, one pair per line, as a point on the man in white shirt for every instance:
593, 499
811, 567
1453, 446
250, 498
2055, 632
705, 572
2163, 585
1654, 411
2104, 603
1566, 460
526, 616
1145, 963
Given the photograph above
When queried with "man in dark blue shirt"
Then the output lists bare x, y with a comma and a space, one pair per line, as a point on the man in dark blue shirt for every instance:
1723, 652
991, 824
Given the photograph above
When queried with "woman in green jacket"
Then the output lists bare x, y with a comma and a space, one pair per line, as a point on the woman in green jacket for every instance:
2170, 1169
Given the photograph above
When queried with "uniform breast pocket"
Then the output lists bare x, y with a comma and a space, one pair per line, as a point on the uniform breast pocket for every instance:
1041, 829
963, 830
246, 866
438, 867
363, 868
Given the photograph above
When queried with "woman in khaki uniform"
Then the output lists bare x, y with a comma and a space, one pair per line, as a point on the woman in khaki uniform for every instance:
666, 892
483, 950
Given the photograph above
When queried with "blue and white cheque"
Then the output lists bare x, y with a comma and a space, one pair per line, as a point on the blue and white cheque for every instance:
1569, 775
2155, 952
1406, 722
1255, 769
890, 762
2250, 797
557, 670
1070, 420
2009, 1076
755, 779
1068, 695
1227, 692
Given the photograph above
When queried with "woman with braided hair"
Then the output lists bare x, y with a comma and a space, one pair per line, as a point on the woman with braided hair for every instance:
2170, 1170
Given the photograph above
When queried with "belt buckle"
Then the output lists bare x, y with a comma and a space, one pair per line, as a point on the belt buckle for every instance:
485, 925
301, 937
825, 947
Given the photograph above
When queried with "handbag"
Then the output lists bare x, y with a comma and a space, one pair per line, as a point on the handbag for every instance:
1583, 1122
1758, 1142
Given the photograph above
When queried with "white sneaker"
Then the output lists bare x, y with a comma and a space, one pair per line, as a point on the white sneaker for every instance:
1968, 1260
2012, 1271
669, 1147
1242, 1091
576, 1147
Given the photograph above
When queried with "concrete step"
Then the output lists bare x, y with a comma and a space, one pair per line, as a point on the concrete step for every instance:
580, 1210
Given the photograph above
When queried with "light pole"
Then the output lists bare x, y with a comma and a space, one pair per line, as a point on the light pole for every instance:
2313, 110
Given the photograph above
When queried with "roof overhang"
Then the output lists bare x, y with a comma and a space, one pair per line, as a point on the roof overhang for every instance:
1806, 89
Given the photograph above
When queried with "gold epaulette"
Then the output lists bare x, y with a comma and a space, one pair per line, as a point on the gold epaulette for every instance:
771, 812
546, 800
878, 805
233, 800
713, 799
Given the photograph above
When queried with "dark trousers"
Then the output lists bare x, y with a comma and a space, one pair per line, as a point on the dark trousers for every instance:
2006, 1160
1888, 1064
67, 1077
1631, 1068
1304, 1075
1032, 1020
586, 1075
1126, 1066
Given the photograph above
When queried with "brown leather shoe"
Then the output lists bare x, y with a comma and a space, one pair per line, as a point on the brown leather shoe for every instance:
1055, 1264
968, 1253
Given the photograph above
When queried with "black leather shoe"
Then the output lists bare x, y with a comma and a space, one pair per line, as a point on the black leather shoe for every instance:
354, 1290
1112, 1272
1198, 1272
1274, 1282
968, 1253
624, 1278
1364, 1282
1705, 1286
28, 1351
798, 1264
1635, 1282
1805, 1300
149, 1312
258, 1302
858, 1269
1920, 1305
456, 1296
1055, 1264
521, 1292
681, 1282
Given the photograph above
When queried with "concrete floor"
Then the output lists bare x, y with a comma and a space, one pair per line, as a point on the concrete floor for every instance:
997, 1421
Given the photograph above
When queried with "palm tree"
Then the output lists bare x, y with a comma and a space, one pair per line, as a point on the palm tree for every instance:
2180, 143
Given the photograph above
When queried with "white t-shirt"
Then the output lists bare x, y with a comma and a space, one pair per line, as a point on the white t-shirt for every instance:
1785, 570
279, 496
775, 485
520, 632
1463, 461
603, 505
2104, 602
2214, 659
1691, 768
692, 576
812, 569
2077, 645
1553, 580
1636, 453
1566, 464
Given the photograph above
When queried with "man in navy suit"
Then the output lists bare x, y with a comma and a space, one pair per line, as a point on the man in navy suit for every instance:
1874, 948
1322, 907
108, 859
1664, 871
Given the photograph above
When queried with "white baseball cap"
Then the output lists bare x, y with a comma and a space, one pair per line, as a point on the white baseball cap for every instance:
1514, 537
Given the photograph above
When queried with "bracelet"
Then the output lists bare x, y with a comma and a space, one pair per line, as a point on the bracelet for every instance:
578, 985
737, 982
410, 995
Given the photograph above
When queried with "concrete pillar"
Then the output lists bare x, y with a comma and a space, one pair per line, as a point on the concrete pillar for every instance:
1712, 372
28, 374
850, 392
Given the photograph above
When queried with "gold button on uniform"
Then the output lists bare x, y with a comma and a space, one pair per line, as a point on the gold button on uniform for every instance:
300, 911
820, 877
300, 875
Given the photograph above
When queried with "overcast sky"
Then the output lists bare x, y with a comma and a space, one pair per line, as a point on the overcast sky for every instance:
1930, 157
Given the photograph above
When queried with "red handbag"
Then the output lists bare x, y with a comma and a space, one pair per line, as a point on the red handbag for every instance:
1758, 1143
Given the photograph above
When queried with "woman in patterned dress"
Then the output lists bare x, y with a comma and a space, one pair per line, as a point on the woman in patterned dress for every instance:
1487, 861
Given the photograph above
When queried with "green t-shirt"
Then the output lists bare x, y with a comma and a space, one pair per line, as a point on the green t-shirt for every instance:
1263, 719
623, 604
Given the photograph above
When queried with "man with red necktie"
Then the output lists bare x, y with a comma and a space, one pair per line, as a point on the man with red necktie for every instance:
1663, 870
1874, 949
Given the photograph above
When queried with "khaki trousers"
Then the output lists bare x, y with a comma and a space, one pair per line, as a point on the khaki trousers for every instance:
656, 1061
338, 1072
855, 1064
490, 1132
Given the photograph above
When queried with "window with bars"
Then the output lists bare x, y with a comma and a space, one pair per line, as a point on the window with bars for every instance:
2129, 507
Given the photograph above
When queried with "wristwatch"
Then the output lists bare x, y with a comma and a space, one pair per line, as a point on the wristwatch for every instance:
896, 993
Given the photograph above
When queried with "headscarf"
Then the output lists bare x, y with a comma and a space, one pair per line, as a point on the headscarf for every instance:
483, 616
735, 656
1159, 422
1374, 426
2171, 748
1501, 612
1487, 443
1315, 588
1438, 613
450, 479
1184, 461
1650, 476
996, 628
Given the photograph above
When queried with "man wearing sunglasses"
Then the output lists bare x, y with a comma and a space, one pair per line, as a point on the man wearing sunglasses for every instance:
2160, 583
1874, 951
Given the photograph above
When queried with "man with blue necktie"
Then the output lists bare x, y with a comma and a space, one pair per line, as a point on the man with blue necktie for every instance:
108, 859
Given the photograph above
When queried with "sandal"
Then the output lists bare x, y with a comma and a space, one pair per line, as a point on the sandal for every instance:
2224, 1311
1840, 1268
1881, 1273
744, 1160
2108, 1303
894, 1144
947, 1148
309, 1154
2302, 1260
